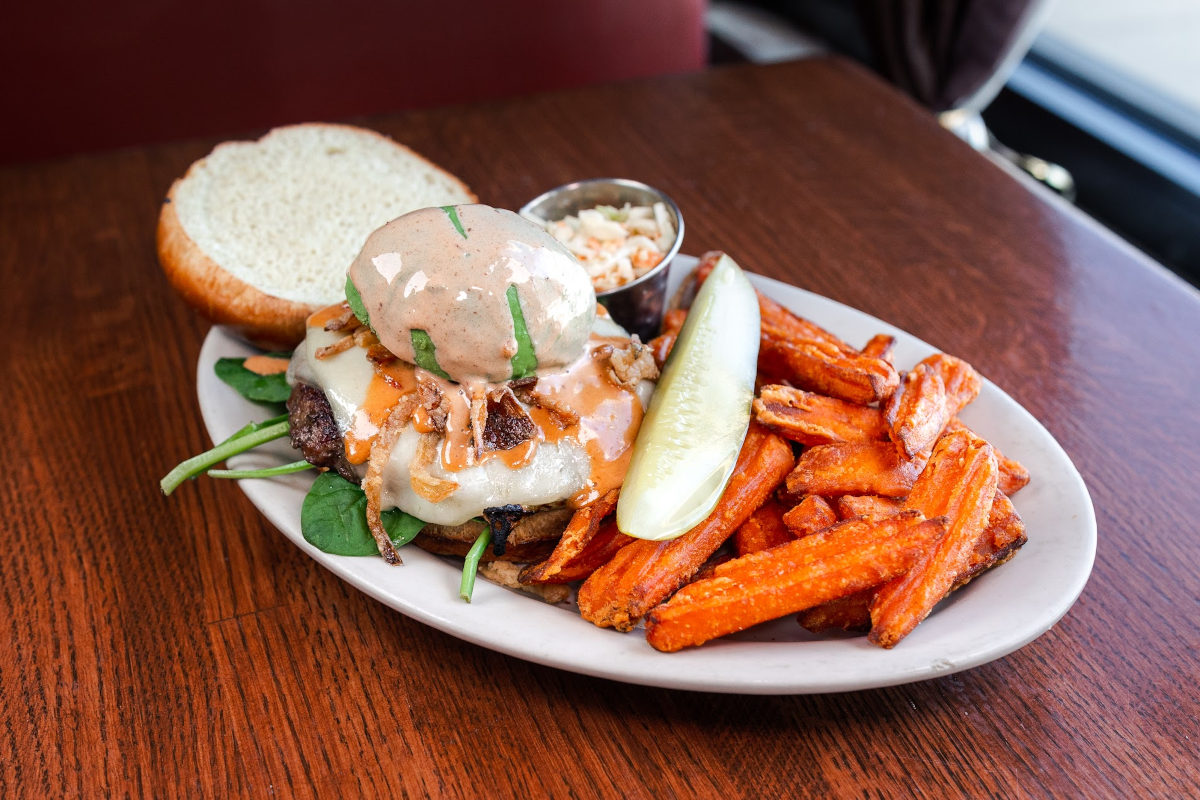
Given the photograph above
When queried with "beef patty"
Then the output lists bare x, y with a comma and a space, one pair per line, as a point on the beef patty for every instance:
314, 432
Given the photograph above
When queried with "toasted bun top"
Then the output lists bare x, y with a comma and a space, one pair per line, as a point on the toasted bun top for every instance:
259, 234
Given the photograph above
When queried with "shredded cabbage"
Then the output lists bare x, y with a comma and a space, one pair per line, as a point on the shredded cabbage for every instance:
615, 245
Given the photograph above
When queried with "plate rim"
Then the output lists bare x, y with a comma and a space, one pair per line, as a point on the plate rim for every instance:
716, 667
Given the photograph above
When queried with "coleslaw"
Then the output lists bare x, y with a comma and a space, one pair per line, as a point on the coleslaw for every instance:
615, 245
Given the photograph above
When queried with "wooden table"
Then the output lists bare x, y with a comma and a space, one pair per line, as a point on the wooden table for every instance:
181, 646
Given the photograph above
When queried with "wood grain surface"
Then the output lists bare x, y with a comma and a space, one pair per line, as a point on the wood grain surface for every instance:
171, 647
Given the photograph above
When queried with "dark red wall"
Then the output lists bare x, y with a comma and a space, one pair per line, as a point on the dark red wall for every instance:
78, 76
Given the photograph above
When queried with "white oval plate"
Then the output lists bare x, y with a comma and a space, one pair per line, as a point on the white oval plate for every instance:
996, 614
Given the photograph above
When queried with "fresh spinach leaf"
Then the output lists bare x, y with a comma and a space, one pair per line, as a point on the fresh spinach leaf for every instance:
333, 518
250, 385
525, 361
452, 213
425, 353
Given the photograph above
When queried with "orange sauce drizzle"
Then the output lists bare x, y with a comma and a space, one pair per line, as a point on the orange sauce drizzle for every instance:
458, 446
390, 382
608, 418
319, 319
266, 365
369, 418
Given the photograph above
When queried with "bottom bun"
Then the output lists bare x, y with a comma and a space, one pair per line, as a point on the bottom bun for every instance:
532, 538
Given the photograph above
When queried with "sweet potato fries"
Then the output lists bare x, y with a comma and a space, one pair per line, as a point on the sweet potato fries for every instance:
858, 502
644, 573
845, 558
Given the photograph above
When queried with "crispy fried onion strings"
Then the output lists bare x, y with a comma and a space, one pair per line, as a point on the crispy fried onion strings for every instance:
340, 346
343, 321
355, 333
506, 422
425, 484
629, 365
430, 395
478, 417
381, 451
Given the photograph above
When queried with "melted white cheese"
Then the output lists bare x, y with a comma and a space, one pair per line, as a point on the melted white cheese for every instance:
556, 472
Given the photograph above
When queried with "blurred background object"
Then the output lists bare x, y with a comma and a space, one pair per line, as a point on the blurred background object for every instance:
1109, 90
1095, 99
81, 76
946, 54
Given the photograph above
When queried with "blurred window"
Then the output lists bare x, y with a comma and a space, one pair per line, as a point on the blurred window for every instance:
1110, 91
1146, 52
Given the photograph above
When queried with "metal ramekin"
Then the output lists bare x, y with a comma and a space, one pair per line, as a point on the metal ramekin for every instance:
638, 305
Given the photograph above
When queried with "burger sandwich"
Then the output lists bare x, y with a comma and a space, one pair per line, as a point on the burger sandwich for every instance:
469, 382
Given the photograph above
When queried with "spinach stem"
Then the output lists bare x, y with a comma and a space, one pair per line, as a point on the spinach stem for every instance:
266, 472
251, 427
245, 439
471, 564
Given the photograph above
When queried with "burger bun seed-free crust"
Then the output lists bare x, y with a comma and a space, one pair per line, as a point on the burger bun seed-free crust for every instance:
257, 235
532, 538
267, 322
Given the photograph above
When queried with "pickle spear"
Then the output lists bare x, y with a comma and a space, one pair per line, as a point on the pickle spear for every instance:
699, 414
